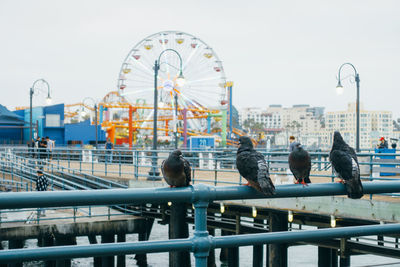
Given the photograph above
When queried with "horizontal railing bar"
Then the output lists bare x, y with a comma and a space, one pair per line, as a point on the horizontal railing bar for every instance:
191, 244
198, 192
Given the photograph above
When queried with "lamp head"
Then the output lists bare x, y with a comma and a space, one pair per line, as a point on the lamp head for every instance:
339, 88
180, 81
48, 100
83, 113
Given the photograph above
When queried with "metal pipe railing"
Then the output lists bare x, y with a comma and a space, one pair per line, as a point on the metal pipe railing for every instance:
191, 194
200, 246
201, 195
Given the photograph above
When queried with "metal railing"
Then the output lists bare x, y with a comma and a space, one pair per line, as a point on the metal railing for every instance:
200, 195
213, 167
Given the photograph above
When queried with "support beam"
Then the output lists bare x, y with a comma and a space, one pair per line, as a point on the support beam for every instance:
107, 260
15, 244
121, 259
344, 253
96, 260
258, 250
178, 228
62, 240
278, 252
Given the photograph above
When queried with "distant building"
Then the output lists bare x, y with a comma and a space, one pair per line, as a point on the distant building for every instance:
373, 125
270, 120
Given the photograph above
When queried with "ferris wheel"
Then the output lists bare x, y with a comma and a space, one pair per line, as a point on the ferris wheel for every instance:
203, 83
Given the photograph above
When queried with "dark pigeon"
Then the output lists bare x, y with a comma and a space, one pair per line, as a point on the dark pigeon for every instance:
300, 165
176, 170
345, 165
253, 167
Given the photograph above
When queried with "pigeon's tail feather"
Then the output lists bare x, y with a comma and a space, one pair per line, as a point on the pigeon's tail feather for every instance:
354, 188
263, 179
307, 180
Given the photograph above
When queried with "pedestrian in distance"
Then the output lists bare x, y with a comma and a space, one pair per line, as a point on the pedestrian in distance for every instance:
36, 147
50, 146
42, 149
292, 143
41, 185
109, 146
383, 143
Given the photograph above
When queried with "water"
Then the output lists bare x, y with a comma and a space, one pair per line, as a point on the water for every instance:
298, 255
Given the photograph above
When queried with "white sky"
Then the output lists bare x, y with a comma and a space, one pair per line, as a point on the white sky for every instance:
276, 52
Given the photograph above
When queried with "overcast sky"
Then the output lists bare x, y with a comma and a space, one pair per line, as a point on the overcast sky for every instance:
275, 52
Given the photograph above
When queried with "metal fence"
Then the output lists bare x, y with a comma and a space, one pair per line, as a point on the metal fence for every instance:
200, 195
215, 167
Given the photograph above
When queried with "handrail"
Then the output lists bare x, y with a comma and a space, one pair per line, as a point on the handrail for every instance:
191, 244
200, 195
190, 194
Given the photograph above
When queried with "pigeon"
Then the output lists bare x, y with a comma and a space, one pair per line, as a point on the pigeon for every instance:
253, 167
176, 170
345, 165
300, 165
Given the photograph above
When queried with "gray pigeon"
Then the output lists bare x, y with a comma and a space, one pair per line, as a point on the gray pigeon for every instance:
176, 170
300, 165
253, 167
345, 164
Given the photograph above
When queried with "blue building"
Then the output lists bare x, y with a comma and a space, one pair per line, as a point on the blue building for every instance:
83, 133
11, 127
46, 121
50, 121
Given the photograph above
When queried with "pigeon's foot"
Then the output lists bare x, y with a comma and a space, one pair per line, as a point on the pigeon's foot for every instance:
304, 183
297, 182
247, 184
341, 181
172, 186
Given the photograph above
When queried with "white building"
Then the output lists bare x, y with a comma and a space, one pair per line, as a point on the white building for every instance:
270, 120
373, 125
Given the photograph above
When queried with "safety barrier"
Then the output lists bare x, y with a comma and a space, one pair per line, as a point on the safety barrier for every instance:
200, 195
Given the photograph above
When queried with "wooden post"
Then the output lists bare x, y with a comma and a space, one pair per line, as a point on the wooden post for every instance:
13, 244
107, 260
324, 257
144, 233
178, 228
121, 259
344, 255
96, 260
277, 252
64, 241
233, 253
258, 250
48, 241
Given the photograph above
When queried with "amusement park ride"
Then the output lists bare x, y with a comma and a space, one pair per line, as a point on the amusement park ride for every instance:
199, 105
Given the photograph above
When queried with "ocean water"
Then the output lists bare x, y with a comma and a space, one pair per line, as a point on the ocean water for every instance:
297, 255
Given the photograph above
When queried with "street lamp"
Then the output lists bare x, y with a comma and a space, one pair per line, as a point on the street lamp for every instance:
340, 90
83, 113
31, 92
180, 82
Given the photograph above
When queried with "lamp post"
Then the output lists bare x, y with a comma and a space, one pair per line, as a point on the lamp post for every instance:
339, 89
180, 80
31, 92
95, 115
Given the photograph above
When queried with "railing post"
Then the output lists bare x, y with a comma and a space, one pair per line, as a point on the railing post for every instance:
371, 171
201, 237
